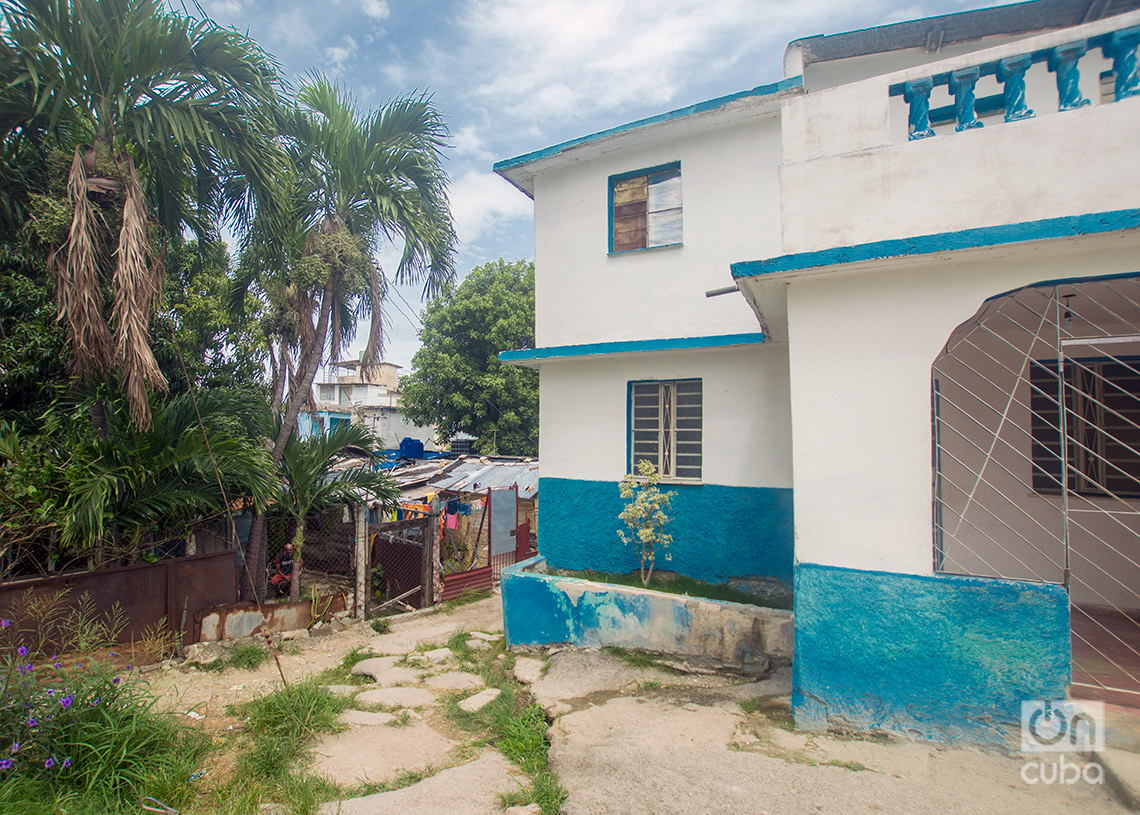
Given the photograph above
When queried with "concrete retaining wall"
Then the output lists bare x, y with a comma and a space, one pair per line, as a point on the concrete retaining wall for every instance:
540, 609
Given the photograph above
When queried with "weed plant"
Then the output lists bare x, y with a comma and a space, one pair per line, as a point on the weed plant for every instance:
280, 725
248, 656
86, 740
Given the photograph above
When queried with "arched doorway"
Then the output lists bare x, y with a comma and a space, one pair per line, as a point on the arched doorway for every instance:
1047, 362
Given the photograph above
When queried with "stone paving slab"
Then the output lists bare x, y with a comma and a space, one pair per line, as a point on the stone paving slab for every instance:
366, 718
396, 697
528, 670
370, 754
480, 700
455, 680
472, 789
384, 671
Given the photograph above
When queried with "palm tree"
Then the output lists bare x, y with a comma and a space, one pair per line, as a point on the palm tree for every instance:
310, 483
360, 180
200, 455
164, 120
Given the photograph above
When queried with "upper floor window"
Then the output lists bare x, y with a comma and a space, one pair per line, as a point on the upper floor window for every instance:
328, 393
645, 208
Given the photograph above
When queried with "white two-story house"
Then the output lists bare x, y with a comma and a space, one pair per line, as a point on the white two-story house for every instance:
918, 403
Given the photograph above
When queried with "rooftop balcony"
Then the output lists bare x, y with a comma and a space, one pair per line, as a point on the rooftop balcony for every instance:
1040, 128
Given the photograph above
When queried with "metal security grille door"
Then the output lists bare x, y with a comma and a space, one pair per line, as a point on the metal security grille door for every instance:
1036, 404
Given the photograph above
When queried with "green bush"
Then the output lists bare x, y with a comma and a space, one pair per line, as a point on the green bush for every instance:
85, 739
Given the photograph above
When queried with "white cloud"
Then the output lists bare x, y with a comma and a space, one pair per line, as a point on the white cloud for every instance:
562, 60
224, 8
396, 73
468, 142
292, 28
482, 201
338, 55
376, 9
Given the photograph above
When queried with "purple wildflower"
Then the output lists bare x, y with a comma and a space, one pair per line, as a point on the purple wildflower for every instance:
66, 763
66, 701
116, 681
15, 747
112, 653
51, 691
58, 666
28, 668
22, 650
5, 623
95, 702
5, 764
49, 763
32, 722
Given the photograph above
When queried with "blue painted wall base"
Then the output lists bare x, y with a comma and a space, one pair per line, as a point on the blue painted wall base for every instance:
718, 532
942, 657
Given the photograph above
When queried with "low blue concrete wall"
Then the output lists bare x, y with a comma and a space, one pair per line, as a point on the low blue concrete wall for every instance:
540, 608
718, 532
942, 657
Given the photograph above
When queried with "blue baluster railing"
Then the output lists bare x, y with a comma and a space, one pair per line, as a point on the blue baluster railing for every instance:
1121, 49
1121, 46
1063, 62
917, 95
1011, 73
962, 84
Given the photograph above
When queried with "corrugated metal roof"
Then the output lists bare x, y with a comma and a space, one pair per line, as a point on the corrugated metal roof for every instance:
473, 475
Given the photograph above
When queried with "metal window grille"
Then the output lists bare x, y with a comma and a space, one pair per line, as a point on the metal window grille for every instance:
1036, 452
666, 427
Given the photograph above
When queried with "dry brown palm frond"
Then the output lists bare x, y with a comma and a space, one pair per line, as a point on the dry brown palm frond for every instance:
306, 332
136, 283
374, 350
78, 293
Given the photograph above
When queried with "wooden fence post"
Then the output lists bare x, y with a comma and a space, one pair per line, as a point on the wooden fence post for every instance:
430, 548
363, 564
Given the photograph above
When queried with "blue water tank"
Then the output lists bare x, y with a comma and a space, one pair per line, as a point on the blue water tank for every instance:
411, 448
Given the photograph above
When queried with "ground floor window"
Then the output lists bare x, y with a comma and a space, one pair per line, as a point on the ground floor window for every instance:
665, 427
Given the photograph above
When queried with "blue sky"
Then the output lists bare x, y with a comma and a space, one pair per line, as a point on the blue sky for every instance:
512, 76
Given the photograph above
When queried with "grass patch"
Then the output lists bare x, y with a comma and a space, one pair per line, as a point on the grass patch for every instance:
679, 584
459, 645
84, 740
513, 724
280, 725
342, 673
248, 656
381, 625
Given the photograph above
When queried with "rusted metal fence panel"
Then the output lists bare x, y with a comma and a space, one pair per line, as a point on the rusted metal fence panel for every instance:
148, 595
474, 580
398, 550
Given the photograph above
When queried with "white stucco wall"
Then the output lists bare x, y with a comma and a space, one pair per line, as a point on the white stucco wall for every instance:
730, 211
850, 176
861, 346
747, 426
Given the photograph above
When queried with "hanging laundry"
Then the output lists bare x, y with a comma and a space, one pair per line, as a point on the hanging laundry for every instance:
464, 508
452, 521
399, 513
452, 507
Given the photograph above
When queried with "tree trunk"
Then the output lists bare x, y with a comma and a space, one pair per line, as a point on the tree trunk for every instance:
298, 545
256, 548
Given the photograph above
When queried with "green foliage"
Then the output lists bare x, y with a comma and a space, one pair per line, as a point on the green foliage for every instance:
280, 725
86, 740
381, 625
457, 381
645, 516
248, 656
222, 346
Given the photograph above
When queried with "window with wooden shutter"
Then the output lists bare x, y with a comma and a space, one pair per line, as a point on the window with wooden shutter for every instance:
666, 427
645, 209
1102, 425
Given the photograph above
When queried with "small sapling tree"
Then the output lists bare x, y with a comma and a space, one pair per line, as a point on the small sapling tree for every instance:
644, 516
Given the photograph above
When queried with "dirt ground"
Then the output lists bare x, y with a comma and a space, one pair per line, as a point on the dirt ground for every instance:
637, 738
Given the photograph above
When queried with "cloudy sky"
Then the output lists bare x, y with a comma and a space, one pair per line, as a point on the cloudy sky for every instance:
512, 76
